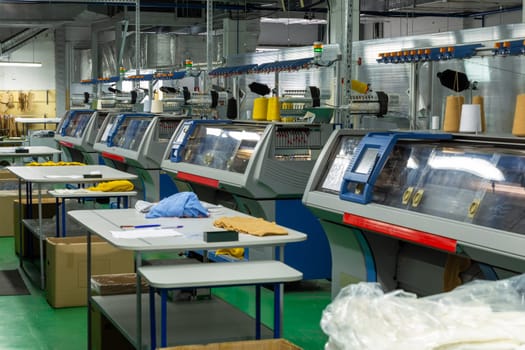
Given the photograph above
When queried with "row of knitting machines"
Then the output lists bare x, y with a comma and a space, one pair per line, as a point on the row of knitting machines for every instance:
420, 211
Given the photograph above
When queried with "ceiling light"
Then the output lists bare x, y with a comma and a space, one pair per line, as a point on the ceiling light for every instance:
293, 20
20, 64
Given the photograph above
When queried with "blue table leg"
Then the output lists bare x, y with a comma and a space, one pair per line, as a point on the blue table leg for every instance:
152, 318
29, 200
63, 217
57, 222
257, 311
277, 310
163, 318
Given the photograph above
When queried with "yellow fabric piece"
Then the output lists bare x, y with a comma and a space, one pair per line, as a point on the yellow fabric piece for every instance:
235, 252
51, 163
249, 225
113, 186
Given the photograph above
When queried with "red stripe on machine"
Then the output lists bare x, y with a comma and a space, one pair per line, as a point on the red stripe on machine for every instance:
401, 232
114, 157
66, 144
206, 181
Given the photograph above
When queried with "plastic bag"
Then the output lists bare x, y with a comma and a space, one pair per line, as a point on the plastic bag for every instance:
477, 315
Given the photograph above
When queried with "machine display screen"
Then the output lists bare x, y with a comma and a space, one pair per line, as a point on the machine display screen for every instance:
76, 125
224, 147
337, 164
131, 132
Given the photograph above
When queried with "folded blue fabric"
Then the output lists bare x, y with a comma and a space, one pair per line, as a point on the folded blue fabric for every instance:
182, 204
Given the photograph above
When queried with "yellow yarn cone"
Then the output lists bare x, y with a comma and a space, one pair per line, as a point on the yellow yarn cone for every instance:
260, 108
518, 126
274, 109
452, 113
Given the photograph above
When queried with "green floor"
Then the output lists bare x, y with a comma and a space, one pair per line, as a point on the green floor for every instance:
28, 322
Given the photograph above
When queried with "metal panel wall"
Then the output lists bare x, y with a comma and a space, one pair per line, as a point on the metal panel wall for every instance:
61, 76
499, 79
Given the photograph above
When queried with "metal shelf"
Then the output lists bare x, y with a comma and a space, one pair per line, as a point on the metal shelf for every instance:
190, 322
49, 228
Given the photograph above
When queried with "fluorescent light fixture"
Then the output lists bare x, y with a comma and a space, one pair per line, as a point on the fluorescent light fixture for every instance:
19, 64
293, 20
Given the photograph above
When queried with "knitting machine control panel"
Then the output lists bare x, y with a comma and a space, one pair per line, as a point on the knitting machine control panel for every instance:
458, 193
254, 157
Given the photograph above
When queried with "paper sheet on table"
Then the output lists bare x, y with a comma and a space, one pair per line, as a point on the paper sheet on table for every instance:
146, 233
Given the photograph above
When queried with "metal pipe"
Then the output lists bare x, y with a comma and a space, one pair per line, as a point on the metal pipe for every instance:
137, 41
414, 71
346, 62
438, 14
121, 37
209, 43
248, 7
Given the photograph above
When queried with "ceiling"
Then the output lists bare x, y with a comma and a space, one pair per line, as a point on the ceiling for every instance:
20, 20
440, 7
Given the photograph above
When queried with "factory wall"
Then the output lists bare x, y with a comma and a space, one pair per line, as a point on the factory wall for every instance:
281, 34
41, 49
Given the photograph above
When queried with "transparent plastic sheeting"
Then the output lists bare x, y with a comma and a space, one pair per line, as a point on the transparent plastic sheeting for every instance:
477, 315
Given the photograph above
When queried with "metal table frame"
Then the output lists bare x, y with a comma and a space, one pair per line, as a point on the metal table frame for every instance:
102, 222
41, 175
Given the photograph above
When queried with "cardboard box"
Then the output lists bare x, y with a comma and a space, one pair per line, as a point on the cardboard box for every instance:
48, 211
119, 283
263, 344
66, 267
6, 208
7, 178
8, 193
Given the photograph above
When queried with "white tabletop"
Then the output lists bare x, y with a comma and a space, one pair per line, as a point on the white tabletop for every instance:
85, 193
37, 120
12, 141
103, 221
66, 174
214, 275
32, 151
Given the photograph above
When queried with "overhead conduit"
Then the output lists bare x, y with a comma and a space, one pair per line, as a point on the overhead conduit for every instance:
14, 42
172, 5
